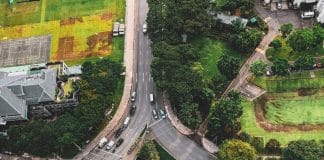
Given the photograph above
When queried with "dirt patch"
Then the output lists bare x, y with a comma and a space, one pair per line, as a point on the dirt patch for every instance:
99, 42
70, 21
259, 110
65, 47
306, 92
107, 16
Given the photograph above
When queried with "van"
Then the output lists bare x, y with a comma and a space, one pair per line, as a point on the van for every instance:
307, 15
155, 116
126, 122
133, 96
151, 98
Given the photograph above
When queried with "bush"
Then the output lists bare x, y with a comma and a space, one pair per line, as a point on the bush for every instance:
258, 143
273, 146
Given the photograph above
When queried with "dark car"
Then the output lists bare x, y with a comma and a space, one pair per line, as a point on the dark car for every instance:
119, 142
132, 110
119, 132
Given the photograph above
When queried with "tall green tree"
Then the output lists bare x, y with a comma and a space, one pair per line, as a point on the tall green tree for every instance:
247, 41
303, 150
286, 29
190, 115
280, 67
258, 68
236, 150
276, 44
228, 66
224, 118
302, 40
305, 61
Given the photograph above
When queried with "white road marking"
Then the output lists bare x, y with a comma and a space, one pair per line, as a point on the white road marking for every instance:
156, 122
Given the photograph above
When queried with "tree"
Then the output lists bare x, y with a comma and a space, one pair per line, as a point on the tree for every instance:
218, 84
286, 29
273, 146
148, 151
248, 40
190, 115
302, 150
258, 68
228, 66
280, 67
231, 5
223, 122
305, 61
236, 150
302, 40
276, 44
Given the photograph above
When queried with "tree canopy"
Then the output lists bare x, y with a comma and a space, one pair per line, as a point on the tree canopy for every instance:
148, 152
305, 39
286, 29
190, 115
228, 66
258, 68
303, 150
305, 62
236, 150
247, 41
280, 67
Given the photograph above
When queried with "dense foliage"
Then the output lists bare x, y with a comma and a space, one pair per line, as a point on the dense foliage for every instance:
306, 39
258, 68
228, 66
190, 115
273, 146
246, 41
303, 150
286, 29
305, 62
236, 150
276, 44
224, 118
98, 84
280, 67
148, 152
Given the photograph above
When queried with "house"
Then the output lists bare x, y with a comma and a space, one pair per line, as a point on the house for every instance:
18, 90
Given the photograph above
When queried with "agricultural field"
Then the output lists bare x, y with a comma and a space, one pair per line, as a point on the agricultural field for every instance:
79, 29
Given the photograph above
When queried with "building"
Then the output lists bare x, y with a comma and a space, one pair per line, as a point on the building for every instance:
318, 7
18, 90
229, 19
297, 3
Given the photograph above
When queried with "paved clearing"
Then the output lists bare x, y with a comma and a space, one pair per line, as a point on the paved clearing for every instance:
25, 51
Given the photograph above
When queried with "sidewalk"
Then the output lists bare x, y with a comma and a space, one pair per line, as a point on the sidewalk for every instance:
128, 63
174, 119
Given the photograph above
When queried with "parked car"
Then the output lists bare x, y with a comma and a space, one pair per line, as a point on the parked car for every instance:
155, 116
162, 114
119, 132
110, 145
102, 142
126, 122
132, 110
279, 6
307, 15
151, 98
144, 28
119, 142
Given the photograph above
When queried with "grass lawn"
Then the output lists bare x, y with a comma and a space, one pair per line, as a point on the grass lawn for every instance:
164, 155
286, 52
290, 83
250, 126
297, 110
211, 50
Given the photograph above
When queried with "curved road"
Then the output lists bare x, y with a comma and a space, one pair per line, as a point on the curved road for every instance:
181, 147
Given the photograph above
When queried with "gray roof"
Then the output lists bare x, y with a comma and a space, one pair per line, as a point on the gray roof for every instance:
18, 91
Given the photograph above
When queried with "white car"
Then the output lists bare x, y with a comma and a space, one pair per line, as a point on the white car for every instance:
110, 145
162, 114
279, 5
144, 28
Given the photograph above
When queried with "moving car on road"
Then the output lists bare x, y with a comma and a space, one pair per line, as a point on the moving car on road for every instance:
126, 122
119, 132
151, 98
133, 96
132, 110
144, 28
119, 142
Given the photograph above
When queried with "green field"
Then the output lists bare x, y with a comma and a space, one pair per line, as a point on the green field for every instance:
295, 111
292, 82
250, 126
211, 51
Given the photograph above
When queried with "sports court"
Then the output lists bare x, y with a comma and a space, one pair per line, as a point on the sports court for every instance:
25, 51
